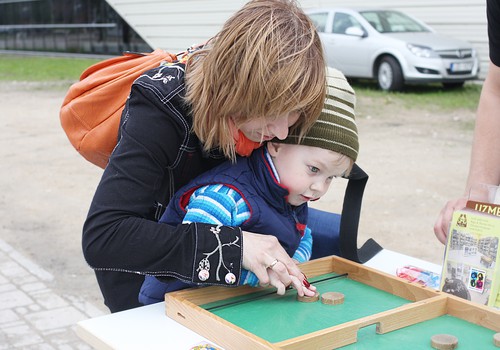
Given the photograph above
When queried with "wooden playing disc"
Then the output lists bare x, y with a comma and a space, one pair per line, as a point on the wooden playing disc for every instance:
306, 299
444, 342
496, 339
332, 298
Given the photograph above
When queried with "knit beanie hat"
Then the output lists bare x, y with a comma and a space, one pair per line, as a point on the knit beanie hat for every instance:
335, 128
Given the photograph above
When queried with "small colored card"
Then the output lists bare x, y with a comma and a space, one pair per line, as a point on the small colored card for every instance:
477, 280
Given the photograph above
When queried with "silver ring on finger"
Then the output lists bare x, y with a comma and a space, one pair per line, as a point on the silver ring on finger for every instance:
271, 265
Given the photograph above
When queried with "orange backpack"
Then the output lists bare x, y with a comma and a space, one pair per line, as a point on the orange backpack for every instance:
91, 111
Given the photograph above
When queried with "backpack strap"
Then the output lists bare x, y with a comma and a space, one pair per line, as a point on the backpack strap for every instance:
349, 221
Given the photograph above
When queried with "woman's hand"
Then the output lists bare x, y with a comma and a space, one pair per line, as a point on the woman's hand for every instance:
304, 287
443, 221
266, 258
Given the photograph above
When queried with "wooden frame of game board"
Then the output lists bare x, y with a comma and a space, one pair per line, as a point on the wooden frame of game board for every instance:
427, 304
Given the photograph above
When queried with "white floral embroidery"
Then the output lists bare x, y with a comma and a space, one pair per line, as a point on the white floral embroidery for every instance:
215, 230
204, 264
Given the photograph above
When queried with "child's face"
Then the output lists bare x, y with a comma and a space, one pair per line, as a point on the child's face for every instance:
306, 171
261, 129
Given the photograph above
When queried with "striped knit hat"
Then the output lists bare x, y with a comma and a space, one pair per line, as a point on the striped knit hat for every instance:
335, 128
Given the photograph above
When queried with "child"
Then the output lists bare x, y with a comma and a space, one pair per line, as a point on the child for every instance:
269, 191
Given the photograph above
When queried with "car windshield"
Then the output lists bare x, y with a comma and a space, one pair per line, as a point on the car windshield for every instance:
392, 22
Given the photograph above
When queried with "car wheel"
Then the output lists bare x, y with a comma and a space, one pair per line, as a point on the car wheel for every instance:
454, 85
389, 75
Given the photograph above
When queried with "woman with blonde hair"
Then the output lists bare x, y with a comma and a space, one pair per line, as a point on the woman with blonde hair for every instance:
262, 74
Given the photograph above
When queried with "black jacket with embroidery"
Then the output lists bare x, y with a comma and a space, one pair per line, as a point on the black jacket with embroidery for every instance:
156, 154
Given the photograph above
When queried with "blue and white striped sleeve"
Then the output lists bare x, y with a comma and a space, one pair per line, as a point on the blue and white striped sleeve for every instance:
304, 251
217, 204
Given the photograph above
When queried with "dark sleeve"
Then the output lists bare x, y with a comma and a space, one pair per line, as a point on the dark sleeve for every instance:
120, 232
493, 14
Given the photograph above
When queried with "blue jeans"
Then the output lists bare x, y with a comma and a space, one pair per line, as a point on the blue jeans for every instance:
325, 227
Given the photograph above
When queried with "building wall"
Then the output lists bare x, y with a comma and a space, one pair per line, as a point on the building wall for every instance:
176, 24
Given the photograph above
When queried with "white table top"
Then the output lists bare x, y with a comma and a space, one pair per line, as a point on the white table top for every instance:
388, 261
148, 327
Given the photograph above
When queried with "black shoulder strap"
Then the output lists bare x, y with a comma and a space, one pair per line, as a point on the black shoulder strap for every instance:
349, 221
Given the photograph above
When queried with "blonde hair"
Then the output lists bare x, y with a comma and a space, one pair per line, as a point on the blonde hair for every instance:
266, 61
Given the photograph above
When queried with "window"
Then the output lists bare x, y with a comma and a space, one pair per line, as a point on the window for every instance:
342, 21
76, 26
374, 20
319, 20
392, 21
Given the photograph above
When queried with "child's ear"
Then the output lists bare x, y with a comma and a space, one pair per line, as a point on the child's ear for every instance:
273, 148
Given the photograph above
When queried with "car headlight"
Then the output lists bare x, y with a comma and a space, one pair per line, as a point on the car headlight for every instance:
422, 51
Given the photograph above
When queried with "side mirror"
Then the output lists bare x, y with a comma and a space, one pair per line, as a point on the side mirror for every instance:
355, 31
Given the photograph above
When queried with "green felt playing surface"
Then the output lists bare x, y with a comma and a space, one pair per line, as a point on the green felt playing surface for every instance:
418, 336
276, 318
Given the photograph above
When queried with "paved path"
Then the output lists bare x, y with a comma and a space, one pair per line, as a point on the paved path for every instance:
32, 316
46, 286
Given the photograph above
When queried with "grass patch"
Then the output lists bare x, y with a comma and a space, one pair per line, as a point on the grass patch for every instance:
430, 96
42, 69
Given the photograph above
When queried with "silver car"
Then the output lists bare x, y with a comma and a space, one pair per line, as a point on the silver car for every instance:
392, 48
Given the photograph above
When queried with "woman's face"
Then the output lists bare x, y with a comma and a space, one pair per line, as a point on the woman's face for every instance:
260, 130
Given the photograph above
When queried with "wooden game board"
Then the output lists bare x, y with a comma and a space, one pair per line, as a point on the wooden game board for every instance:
241, 318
